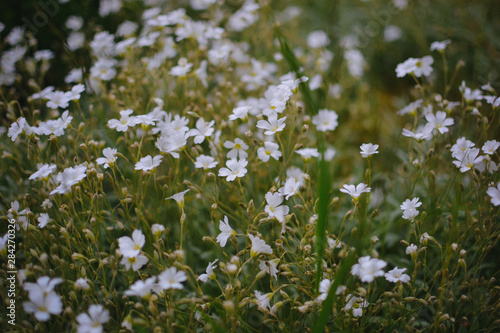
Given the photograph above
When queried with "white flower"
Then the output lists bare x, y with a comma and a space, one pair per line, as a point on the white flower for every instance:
324, 288
356, 304
440, 46
43, 220
270, 149
411, 249
141, 288
411, 108
42, 306
368, 149
292, 187
238, 147
307, 153
367, 269
469, 161
109, 157
270, 267
157, 229
420, 135
134, 262
325, 120
396, 275
241, 112
259, 246
226, 232
205, 162
272, 125
355, 191
124, 122
131, 247
490, 147
317, 39
82, 283
439, 121
202, 130
43, 172
235, 168
460, 148
406, 67
58, 99
273, 208
209, 272
44, 285
263, 300
494, 193
171, 279
179, 198
103, 69
148, 163
409, 208
68, 178
183, 67
93, 321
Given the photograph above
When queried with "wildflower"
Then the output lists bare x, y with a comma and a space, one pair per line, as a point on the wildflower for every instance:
259, 246
103, 69
141, 288
241, 112
109, 157
494, 193
43, 172
183, 67
226, 232
44, 285
411, 249
263, 300
125, 121
440, 46
367, 269
469, 161
325, 120
173, 143
131, 247
235, 168
406, 67
43, 305
368, 149
43, 220
411, 108
269, 267
75, 93
205, 162
157, 229
209, 272
317, 39
439, 121
409, 208
270, 149
355, 191
356, 304
459, 149
179, 198
273, 208
93, 321
202, 130
17, 127
148, 163
292, 187
490, 147
135, 262
468, 94
68, 178
308, 153
272, 125
238, 147
171, 279
420, 135
396, 275
424, 239
82, 283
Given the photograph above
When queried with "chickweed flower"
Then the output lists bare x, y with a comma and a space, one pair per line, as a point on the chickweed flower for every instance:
270, 149
273, 208
179, 198
494, 193
141, 288
125, 121
396, 275
69, 177
367, 269
235, 168
263, 300
238, 148
131, 247
325, 120
356, 304
148, 163
43, 172
109, 157
226, 232
171, 279
209, 272
409, 208
368, 149
355, 191
93, 321
269, 267
259, 246
205, 162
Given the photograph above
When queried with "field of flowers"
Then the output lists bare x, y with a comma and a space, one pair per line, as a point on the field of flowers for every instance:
249, 166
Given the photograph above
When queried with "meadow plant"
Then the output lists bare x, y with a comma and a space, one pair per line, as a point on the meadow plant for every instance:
202, 169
